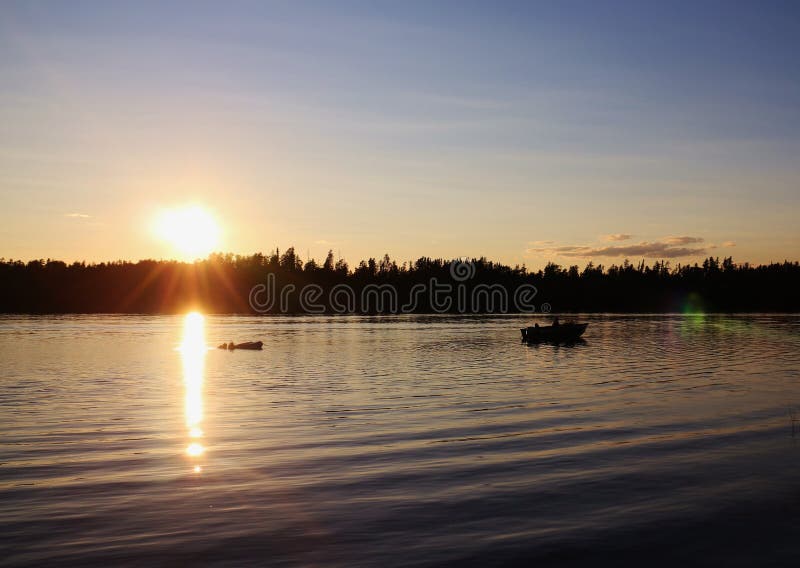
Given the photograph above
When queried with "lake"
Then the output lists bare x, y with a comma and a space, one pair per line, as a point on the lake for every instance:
395, 441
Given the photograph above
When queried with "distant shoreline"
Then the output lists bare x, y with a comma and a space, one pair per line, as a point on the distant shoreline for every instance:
515, 315
278, 284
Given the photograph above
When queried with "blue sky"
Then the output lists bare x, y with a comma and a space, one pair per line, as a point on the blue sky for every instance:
524, 131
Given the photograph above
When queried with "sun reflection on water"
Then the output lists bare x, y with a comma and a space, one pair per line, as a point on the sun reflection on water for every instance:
193, 355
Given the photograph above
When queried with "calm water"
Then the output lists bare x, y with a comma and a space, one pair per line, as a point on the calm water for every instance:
398, 441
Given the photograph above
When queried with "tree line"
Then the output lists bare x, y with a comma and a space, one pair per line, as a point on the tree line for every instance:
222, 283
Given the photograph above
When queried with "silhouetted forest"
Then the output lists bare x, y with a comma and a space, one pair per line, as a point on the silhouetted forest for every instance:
222, 284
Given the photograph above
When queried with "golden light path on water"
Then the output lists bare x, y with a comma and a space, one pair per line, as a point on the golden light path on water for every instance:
193, 355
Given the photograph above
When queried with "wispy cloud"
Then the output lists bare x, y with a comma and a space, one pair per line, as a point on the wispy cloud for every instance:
618, 237
654, 249
683, 240
729, 244
77, 215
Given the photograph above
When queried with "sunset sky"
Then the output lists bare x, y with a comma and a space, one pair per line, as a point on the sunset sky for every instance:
521, 131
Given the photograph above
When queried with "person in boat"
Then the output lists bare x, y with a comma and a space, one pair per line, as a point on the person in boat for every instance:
245, 345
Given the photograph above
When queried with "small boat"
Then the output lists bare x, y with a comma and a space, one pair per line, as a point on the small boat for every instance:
255, 345
562, 333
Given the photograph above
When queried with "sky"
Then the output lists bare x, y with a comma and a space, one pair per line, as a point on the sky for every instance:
521, 131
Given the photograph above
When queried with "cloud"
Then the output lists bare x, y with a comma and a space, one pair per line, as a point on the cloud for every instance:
683, 240
77, 215
618, 237
729, 244
655, 249
542, 243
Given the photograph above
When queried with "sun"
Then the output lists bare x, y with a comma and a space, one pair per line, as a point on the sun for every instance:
192, 231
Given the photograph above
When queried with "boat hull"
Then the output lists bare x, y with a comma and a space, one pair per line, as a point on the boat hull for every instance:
563, 333
254, 345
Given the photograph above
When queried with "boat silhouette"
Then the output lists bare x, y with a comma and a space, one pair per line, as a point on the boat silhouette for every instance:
254, 345
561, 333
